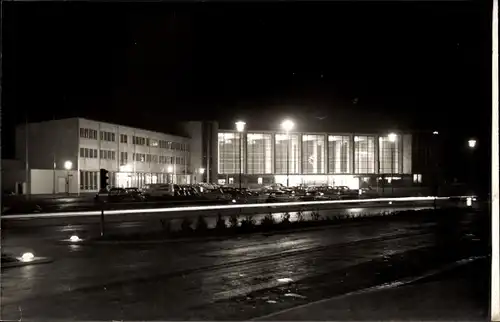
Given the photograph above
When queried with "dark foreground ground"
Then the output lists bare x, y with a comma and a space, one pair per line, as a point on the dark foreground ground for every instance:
458, 294
254, 276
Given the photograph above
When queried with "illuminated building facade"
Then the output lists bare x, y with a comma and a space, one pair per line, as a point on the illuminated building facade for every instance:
312, 158
134, 157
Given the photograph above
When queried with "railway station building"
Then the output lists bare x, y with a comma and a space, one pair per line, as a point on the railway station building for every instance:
200, 151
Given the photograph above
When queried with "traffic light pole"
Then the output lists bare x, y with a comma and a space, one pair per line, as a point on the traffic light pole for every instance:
102, 221
104, 179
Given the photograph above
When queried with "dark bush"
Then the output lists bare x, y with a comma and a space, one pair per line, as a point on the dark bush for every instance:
285, 218
248, 223
201, 224
166, 225
221, 223
267, 221
186, 225
315, 215
233, 221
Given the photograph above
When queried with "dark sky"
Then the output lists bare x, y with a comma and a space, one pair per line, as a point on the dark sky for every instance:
396, 65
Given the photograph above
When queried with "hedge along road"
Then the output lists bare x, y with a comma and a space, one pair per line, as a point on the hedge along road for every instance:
114, 220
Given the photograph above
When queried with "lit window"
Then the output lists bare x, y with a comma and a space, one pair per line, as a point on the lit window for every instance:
229, 153
313, 154
339, 154
388, 155
259, 153
287, 148
364, 154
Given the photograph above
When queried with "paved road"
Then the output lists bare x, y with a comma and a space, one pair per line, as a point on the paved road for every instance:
232, 279
460, 293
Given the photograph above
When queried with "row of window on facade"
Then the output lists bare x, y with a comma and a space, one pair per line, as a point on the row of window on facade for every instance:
139, 157
92, 154
311, 156
151, 158
136, 140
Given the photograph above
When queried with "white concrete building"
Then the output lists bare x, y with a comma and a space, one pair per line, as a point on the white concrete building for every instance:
133, 157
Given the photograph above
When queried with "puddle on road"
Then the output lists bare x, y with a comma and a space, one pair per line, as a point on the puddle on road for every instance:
295, 295
285, 280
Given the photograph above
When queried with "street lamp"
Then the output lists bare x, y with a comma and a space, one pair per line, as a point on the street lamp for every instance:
240, 127
472, 145
392, 138
68, 165
202, 171
287, 126
169, 170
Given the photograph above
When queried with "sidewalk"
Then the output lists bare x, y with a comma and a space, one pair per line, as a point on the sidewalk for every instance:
461, 295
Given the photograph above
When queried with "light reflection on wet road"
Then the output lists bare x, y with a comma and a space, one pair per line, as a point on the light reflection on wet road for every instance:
165, 281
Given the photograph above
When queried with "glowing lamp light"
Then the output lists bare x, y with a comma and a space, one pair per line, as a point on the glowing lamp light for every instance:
68, 165
202, 170
240, 126
472, 143
435, 132
287, 125
27, 257
469, 201
392, 137
170, 169
74, 239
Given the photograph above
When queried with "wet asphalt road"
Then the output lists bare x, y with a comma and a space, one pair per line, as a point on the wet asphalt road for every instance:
231, 279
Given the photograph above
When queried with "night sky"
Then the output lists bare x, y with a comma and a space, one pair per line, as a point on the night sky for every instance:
347, 66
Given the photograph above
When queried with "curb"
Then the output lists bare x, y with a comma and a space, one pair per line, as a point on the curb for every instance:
386, 286
37, 260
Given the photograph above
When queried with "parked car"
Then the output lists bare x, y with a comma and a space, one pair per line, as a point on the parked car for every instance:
135, 194
368, 192
238, 195
119, 194
345, 192
159, 190
215, 194
102, 195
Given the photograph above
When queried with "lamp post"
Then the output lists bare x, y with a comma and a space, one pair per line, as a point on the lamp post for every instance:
240, 127
392, 138
472, 146
287, 126
169, 170
67, 165
202, 171
435, 164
